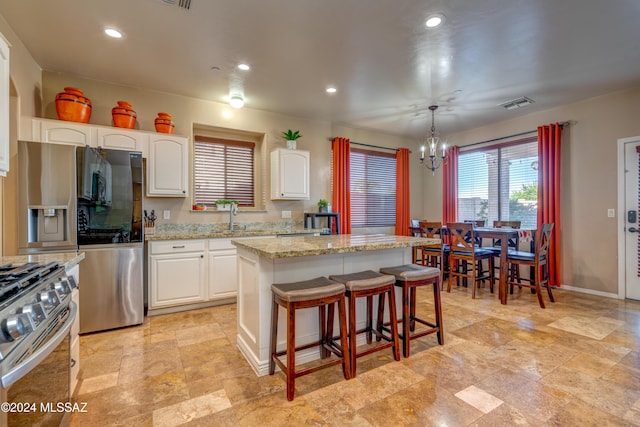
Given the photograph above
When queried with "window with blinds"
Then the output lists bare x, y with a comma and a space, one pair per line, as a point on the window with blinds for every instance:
223, 169
373, 188
499, 182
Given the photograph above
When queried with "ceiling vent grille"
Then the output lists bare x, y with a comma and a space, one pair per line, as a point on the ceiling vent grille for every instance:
517, 103
185, 4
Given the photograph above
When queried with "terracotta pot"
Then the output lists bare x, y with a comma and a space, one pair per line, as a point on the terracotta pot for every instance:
123, 115
73, 106
164, 124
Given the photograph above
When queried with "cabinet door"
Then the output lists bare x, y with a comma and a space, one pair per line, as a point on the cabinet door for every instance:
123, 139
64, 132
290, 174
223, 276
4, 106
177, 279
167, 166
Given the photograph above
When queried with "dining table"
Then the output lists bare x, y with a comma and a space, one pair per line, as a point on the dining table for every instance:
503, 234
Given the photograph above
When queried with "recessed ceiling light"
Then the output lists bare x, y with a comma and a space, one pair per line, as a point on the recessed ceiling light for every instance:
331, 90
112, 32
435, 21
244, 67
236, 101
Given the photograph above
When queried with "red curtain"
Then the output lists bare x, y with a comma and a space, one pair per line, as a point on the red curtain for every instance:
403, 214
450, 186
549, 141
341, 201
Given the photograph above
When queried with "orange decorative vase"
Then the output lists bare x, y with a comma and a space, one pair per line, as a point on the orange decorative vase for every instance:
123, 115
164, 124
73, 106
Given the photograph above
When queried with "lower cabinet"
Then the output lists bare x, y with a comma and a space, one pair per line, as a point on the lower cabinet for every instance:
185, 274
177, 273
75, 338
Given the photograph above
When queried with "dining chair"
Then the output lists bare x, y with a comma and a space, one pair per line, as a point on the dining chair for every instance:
538, 260
414, 230
478, 240
435, 255
464, 253
512, 243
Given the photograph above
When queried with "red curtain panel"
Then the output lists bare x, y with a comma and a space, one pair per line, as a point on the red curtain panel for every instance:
549, 144
403, 214
450, 186
341, 199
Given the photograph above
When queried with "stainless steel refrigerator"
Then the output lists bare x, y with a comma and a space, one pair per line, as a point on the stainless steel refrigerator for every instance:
110, 233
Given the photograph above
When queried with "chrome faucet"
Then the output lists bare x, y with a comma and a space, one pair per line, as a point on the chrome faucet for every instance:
232, 212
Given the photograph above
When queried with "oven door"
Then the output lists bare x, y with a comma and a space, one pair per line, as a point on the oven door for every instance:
39, 383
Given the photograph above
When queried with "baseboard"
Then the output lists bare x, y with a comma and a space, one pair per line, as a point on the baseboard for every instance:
589, 291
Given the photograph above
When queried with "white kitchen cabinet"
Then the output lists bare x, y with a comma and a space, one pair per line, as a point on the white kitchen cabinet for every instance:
177, 273
60, 131
289, 174
4, 106
74, 337
222, 269
123, 139
167, 166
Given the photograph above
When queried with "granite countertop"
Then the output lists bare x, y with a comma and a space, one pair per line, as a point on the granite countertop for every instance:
206, 234
66, 259
288, 247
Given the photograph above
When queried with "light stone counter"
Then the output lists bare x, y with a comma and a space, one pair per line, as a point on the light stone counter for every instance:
262, 262
66, 259
287, 247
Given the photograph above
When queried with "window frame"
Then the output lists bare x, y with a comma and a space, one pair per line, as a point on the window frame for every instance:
498, 147
391, 215
203, 139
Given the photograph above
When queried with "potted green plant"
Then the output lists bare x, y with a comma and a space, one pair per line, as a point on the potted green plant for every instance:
291, 138
323, 205
225, 204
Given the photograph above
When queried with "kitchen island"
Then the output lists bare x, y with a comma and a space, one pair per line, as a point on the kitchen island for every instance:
262, 262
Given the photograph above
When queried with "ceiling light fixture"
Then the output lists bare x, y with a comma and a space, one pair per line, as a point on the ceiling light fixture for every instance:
244, 67
331, 90
435, 161
236, 101
517, 103
113, 33
434, 21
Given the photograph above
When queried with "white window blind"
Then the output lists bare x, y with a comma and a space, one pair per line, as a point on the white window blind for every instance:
373, 188
223, 169
499, 182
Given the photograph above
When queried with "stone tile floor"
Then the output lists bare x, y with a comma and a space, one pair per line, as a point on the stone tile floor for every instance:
575, 363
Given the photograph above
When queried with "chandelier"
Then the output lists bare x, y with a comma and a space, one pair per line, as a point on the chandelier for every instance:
433, 161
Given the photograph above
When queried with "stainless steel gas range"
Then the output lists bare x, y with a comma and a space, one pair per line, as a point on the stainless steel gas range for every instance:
36, 315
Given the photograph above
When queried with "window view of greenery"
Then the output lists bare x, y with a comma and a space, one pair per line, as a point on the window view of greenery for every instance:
499, 183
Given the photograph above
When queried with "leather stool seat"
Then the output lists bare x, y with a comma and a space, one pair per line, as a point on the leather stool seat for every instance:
369, 284
319, 292
409, 277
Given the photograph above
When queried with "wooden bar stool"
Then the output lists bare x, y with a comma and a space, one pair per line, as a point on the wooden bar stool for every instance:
409, 277
369, 284
319, 292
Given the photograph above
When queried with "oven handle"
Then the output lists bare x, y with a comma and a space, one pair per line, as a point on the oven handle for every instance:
32, 361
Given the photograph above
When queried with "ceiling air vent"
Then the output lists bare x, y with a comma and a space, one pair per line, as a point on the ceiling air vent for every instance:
185, 4
517, 103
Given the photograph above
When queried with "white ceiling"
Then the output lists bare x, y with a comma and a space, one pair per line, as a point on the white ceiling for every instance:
388, 67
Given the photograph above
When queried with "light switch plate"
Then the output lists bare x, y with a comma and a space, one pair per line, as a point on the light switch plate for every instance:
286, 214
166, 214
611, 213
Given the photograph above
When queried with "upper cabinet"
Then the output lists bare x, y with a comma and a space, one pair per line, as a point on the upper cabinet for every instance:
123, 139
289, 174
62, 132
167, 166
4, 106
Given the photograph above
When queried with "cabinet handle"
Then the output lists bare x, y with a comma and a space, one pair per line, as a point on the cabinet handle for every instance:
184, 191
178, 247
201, 256
73, 362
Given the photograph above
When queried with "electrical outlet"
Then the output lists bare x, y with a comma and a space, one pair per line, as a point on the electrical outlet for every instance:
166, 214
286, 214
611, 213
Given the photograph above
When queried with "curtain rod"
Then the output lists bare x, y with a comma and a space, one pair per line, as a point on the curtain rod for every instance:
368, 145
563, 124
